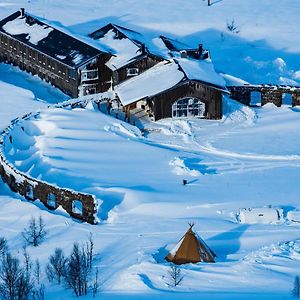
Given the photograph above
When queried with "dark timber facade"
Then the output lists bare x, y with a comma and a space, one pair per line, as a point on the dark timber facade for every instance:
73, 66
141, 61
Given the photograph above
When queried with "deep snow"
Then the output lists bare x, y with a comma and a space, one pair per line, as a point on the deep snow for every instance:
248, 159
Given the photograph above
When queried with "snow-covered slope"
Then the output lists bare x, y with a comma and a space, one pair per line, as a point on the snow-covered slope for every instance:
248, 159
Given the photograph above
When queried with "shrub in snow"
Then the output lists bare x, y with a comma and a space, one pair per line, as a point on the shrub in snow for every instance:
3, 246
56, 268
78, 270
232, 27
15, 282
296, 289
175, 276
35, 233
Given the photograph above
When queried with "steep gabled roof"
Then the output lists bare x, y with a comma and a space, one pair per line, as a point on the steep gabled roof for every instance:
51, 41
121, 42
174, 45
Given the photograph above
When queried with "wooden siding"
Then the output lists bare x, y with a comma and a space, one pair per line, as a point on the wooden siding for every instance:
58, 74
161, 104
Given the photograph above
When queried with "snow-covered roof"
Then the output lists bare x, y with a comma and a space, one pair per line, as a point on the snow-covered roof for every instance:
157, 79
120, 42
47, 39
201, 70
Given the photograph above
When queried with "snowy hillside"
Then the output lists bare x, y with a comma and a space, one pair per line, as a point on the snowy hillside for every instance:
250, 158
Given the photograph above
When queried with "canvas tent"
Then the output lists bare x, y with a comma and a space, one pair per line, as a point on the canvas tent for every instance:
191, 249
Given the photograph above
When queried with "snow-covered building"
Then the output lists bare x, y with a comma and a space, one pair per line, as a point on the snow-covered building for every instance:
163, 77
130, 54
181, 86
53, 54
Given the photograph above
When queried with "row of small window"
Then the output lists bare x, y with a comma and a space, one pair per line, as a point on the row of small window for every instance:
35, 56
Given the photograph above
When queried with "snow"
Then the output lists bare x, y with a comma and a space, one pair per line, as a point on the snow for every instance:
265, 215
294, 216
202, 70
35, 33
250, 158
123, 49
161, 77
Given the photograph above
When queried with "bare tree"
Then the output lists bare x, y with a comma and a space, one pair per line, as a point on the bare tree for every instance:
27, 261
96, 284
39, 293
78, 270
37, 271
14, 281
232, 27
296, 289
56, 268
35, 233
3, 246
90, 249
175, 275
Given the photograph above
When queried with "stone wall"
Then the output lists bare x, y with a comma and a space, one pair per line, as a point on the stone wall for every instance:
269, 93
78, 205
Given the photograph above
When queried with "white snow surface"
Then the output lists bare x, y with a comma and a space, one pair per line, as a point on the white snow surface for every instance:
35, 32
249, 158
161, 77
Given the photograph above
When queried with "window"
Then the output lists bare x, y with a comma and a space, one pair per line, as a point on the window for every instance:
188, 107
51, 201
72, 73
29, 192
77, 207
132, 71
89, 75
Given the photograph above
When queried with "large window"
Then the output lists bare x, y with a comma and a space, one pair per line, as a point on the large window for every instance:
188, 107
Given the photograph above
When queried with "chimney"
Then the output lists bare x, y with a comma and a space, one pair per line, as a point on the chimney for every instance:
200, 49
22, 12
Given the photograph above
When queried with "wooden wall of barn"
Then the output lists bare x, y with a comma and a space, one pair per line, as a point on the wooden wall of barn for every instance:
161, 104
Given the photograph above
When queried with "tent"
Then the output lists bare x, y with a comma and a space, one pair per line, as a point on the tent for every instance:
191, 249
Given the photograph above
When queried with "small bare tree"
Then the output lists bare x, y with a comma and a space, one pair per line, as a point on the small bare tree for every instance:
90, 249
175, 275
232, 27
296, 289
37, 271
78, 270
56, 268
14, 281
3, 246
96, 284
35, 233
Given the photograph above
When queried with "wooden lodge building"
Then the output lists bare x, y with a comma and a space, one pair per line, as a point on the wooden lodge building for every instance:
55, 56
169, 79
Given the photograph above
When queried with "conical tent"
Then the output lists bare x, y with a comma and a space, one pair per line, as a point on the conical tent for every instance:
191, 249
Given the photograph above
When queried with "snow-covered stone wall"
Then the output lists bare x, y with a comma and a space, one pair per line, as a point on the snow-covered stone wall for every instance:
50, 195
